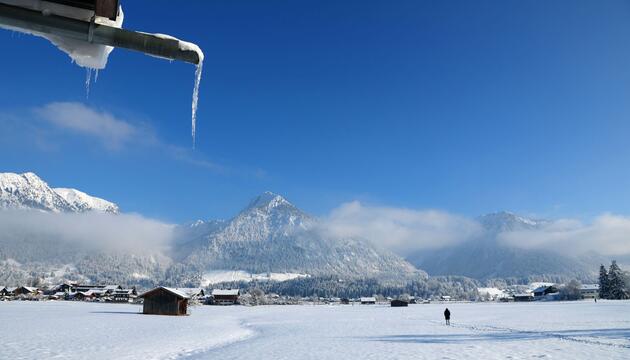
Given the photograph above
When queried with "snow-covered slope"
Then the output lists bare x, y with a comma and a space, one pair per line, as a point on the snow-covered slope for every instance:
28, 191
84, 202
272, 235
487, 257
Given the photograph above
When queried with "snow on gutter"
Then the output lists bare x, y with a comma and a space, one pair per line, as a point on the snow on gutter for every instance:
89, 39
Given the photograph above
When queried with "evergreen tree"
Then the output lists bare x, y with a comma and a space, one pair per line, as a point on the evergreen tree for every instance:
616, 282
604, 290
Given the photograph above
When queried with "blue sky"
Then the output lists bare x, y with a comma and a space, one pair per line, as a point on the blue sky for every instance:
468, 107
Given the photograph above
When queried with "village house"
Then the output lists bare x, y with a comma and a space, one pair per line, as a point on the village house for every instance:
164, 301
193, 293
590, 291
225, 296
545, 291
368, 300
25, 290
124, 295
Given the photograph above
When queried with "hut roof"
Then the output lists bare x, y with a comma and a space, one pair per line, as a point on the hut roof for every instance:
175, 292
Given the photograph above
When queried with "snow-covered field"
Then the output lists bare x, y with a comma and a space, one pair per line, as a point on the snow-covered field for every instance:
577, 330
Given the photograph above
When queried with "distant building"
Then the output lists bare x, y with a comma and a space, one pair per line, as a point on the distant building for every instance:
524, 297
590, 291
399, 303
164, 301
25, 290
225, 296
124, 295
194, 293
368, 300
345, 301
445, 298
544, 290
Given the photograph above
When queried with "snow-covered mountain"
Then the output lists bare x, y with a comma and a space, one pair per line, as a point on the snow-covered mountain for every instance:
487, 257
271, 235
28, 191
84, 202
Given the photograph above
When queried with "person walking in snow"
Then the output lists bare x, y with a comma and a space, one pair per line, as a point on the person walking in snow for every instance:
447, 316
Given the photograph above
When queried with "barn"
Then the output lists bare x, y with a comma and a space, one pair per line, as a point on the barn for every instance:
399, 303
165, 301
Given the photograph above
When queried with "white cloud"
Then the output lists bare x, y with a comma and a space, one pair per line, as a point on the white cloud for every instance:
608, 234
94, 229
76, 117
109, 131
403, 231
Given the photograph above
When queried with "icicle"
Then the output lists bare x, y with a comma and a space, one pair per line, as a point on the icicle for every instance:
88, 79
195, 98
95, 75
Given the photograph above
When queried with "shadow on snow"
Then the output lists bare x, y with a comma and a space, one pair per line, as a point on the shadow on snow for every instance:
588, 336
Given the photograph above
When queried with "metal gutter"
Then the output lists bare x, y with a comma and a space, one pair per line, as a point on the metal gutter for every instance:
35, 21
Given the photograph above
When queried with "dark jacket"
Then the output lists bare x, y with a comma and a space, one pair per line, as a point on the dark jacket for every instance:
447, 314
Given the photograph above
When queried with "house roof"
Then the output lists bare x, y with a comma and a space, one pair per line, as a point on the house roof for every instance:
367, 299
232, 292
542, 288
173, 291
191, 291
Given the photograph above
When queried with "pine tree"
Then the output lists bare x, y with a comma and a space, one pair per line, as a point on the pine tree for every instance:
616, 282
604, 290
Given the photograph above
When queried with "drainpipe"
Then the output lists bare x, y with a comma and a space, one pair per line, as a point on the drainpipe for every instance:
35, 21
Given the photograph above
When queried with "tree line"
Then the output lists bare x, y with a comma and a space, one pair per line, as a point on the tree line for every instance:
613, 284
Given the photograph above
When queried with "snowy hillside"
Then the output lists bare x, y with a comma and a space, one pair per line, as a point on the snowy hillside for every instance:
272, 235
487, 257
28, 191
84, 202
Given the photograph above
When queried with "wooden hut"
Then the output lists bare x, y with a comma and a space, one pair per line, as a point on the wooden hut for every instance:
164, 301
399, 303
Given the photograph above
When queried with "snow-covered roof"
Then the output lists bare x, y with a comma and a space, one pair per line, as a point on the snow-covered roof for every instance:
224, 292
542, 288
171, 290
368, 299
112, 287
191, 291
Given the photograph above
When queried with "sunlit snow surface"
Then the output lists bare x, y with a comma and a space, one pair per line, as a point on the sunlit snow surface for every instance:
578, 330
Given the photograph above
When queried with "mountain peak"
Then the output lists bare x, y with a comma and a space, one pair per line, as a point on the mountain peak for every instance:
29, 191
268, 200
84, 202
506, 220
